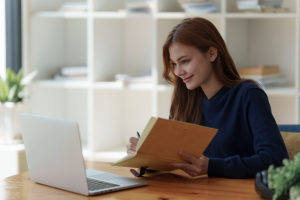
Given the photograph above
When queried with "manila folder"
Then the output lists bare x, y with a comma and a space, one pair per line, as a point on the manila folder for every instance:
161, 141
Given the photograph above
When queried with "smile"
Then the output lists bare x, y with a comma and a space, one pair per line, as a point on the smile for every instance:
187, 79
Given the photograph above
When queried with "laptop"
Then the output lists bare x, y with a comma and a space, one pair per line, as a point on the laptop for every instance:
54, 158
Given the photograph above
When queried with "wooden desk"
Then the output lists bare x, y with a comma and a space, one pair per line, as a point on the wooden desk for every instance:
161, 187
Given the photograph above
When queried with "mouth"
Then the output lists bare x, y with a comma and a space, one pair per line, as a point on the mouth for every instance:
187, 79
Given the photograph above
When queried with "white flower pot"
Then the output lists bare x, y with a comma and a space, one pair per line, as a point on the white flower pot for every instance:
9, 122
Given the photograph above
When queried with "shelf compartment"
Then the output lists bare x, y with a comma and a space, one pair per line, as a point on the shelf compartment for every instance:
118, 114
56, 43
107, 119
253, 42
164, 102
174, 6
130, 46
112, 6
57, 14
69, 104
288, 4
45, 5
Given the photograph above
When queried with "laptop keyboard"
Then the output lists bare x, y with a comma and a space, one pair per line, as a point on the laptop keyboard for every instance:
96, 184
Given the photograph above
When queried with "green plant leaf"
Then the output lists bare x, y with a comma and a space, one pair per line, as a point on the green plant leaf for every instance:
11, 89
282, 178
3, 91
10, 77
12, 93
29, 77
19, 76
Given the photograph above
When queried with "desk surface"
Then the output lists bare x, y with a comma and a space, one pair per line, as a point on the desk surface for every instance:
161, 187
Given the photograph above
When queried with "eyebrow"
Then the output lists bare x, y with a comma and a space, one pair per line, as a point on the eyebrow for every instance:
178, 58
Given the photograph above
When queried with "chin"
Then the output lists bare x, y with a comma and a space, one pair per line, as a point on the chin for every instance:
191, 86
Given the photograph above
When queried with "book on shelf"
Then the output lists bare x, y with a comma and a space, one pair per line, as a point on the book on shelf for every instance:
78, 73
259, 70
198, 6
161, 141
260, 5
73, 7
267, 83
248, 5
143, 6
58, 77
74, 70
140, 77
266, 76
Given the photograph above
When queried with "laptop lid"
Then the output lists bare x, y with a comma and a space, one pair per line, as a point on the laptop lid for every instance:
54, 154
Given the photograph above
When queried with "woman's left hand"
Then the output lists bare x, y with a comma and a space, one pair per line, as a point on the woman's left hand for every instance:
194, 167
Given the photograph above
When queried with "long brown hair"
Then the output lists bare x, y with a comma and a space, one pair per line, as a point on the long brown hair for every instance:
202, 34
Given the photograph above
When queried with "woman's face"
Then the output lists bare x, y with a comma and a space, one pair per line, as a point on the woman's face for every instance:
191, 65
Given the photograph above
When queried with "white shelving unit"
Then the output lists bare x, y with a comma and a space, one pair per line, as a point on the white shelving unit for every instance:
108, 40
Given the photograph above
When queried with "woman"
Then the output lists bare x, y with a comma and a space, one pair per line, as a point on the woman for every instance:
209, 91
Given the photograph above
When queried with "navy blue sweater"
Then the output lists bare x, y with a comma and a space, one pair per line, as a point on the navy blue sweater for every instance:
248, 139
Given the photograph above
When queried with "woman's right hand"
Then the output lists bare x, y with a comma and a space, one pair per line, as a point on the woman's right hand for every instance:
131, 146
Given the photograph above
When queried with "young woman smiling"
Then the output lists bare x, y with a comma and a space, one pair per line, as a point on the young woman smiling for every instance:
209, 91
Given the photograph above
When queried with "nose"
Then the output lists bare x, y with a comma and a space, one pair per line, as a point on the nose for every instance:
178, 71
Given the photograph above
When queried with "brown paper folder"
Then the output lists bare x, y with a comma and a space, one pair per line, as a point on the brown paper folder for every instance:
161, 141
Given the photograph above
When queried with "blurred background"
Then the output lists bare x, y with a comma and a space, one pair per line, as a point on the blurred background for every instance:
99, 62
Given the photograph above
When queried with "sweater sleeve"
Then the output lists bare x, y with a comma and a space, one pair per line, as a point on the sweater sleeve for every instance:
268, 145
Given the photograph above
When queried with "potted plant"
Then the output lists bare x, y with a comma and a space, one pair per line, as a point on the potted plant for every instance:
12, 104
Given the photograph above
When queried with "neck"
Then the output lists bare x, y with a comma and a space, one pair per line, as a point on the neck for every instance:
212, 87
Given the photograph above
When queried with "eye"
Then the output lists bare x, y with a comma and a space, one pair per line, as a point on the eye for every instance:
185, 61
172, 64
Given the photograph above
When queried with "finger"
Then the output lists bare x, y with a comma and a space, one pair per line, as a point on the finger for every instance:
133, 140
131, 147
182, 166
186, 167
129, 151
193, 174
188, 157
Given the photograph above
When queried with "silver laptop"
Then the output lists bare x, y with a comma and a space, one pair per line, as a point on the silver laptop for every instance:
54, 158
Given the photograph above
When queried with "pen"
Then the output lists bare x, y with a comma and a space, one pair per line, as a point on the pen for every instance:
138, 135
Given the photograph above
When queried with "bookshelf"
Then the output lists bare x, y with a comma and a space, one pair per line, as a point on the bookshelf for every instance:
109, 40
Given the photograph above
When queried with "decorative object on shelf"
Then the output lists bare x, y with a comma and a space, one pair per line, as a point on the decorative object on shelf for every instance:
11, 104
266, 75
261, 6
248, 5
143, 6
198, 6
73, 7
285, 180
75, 73
270, 3
142, 77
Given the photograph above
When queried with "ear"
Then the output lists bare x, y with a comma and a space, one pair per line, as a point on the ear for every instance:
212, 53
